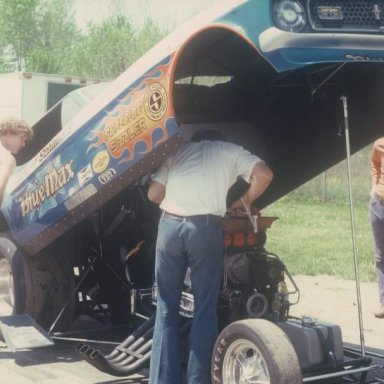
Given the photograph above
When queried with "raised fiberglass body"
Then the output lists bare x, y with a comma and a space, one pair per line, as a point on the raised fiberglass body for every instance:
286, 64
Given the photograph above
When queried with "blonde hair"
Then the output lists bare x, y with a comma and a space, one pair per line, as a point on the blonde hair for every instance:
15, 125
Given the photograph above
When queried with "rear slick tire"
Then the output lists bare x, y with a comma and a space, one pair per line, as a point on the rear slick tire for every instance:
12, 282
252, 351
39, 285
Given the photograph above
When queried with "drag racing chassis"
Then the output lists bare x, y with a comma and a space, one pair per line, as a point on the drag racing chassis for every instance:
259, 340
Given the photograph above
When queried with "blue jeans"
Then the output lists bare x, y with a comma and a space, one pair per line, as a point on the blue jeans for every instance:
377, 223
198, 245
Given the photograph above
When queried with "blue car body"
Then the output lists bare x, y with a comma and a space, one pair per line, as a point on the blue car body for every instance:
127, 130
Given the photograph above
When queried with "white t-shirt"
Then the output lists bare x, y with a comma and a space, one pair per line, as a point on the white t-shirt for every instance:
197, 177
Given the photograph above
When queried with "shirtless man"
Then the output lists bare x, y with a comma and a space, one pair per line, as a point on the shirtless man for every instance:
14, 133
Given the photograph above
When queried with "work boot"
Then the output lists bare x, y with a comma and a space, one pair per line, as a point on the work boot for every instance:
380, 312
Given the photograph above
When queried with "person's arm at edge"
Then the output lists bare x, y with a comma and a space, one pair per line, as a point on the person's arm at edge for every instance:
260, 179
7, 166
375, 167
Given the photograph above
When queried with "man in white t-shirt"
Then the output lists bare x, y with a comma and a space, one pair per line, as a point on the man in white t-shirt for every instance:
191, 188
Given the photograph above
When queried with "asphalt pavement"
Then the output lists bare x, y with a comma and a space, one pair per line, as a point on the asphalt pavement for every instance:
321, 297
62, 364
56, 364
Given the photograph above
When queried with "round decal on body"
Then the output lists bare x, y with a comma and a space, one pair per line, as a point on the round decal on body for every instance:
100, 162
155, 101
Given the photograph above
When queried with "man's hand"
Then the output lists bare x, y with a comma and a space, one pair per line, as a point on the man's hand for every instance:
239, 209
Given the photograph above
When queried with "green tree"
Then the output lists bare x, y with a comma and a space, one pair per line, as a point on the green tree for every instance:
147, 37
17, 30
36, 35
108, 49
105, 49
41, 36
56, 38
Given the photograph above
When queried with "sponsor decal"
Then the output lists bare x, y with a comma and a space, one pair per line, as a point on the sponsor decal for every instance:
350, 56
81, 196
54, 180
127, 129
119, 135
48, 148
100, 161
107, 176
85, 175
155, 101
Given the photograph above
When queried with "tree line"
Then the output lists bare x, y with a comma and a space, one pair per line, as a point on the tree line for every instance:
42, 36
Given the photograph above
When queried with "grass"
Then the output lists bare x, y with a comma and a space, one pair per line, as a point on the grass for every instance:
314, 236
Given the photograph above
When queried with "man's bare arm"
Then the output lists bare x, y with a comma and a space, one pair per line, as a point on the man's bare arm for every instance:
156, 192
7, 166
260, 179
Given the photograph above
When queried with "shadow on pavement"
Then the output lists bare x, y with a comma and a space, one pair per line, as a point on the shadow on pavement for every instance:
48, 355
377, 356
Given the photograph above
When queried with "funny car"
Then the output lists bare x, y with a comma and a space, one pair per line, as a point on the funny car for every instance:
286, 79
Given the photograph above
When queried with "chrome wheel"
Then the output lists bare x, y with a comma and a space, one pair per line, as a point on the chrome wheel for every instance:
6, 288
254, 351
244, 364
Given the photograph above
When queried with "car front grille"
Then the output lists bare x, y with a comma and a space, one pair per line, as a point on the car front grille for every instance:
347, 15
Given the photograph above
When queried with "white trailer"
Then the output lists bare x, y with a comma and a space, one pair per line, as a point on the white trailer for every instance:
29, 95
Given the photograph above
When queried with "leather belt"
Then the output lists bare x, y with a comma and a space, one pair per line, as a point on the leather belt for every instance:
207, 218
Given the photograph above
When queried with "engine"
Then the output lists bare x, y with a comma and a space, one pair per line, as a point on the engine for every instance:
254, 285
253, 281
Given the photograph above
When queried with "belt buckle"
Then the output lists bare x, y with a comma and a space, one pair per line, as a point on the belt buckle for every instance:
167, 215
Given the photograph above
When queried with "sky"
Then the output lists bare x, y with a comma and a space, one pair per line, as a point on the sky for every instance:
167, 13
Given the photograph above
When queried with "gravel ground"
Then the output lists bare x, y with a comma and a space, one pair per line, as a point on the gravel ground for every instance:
335, 300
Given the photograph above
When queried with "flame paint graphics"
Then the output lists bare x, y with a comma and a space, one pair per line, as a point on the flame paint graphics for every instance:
136, 122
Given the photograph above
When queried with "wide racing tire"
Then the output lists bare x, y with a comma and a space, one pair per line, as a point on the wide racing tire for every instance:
254, 351
39, 285
12, 282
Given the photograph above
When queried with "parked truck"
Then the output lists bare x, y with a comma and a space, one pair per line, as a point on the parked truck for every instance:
283, 78
30, 95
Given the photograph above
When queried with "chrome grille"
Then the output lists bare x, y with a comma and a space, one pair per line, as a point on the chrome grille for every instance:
347, 15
